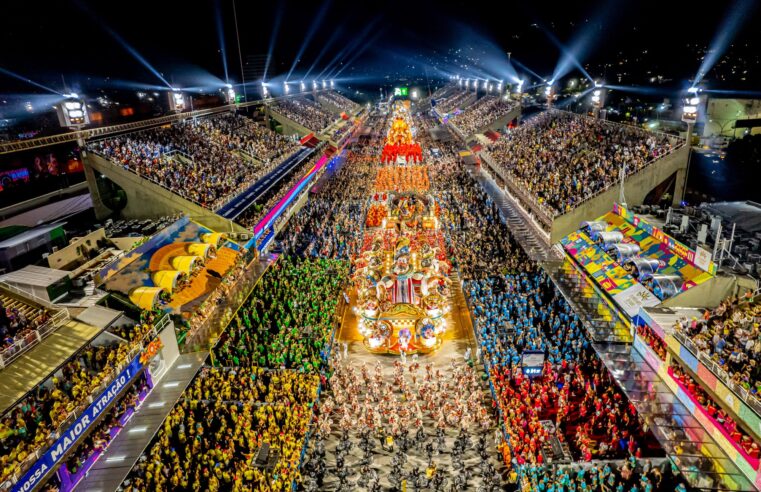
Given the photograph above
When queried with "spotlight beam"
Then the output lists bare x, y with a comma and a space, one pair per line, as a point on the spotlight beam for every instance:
348, 48
273, 36
221, 36
310, 34
325, 47
132, 51
524, 67
738, 13
29, 81
357, 54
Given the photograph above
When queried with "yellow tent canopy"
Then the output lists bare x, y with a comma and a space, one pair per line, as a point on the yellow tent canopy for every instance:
199, 249
145, 297
213, 238
166, 279
184, 263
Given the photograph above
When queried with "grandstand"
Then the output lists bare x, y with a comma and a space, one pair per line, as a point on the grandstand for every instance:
561, 173
301, 114
488, 113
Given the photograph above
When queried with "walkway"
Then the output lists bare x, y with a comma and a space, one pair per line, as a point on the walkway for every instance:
30, 369
232, 209
116, 462
702, 462
523, 228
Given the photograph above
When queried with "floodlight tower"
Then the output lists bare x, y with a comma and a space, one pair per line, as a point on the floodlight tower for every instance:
459, 82
598, 99
519, 90
689, 116
286, 87
265, 92
176, 101
332, 83
549, 92
499, 86
230, 94
314, 86
72, 112
303, 86
324, 84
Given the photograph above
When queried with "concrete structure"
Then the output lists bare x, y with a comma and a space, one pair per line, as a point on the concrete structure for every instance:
146, 199
494, 125
637, 186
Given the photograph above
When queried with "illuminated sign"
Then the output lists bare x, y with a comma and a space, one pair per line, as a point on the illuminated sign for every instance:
532, 362
401, 91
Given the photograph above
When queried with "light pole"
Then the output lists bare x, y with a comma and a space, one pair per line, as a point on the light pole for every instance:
689, 116
598, 99
550, 94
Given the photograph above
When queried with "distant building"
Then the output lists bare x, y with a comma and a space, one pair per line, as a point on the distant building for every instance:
732, 118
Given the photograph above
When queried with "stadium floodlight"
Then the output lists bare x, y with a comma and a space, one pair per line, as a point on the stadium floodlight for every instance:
314, 85
414, 93
230, 94
519, 87
484, 85
598, 98
303, 86
499, 86
72, 112
690, 108
332, 84
264, 90
324, 84
549, 92
176, 100
460, 83
285, 86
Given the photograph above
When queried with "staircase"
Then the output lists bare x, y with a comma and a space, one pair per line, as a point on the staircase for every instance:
603, 325
537, 248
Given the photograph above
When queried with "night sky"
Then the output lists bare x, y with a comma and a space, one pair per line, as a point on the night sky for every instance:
78, 39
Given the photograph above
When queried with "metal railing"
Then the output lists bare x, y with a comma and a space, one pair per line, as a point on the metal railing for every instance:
17, 145
704, 357
546, 214
22, 345
109, 377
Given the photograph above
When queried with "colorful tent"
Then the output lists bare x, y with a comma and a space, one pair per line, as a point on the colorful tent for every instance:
184, 263
199, 249
145, 297
166, 279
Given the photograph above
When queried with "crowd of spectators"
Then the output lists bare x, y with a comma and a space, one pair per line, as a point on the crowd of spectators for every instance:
730, 335
18, 321
327, 226
453, 102
100, 437
524, 311
211, 445
238, 132
267, 201
338, 100
631, 475
282, 387
27, 427
720, 416
209, 167
483, 112
652, 340
563, 158
304, 112
288, 320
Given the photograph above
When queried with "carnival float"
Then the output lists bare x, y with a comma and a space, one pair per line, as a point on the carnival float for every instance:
401, 275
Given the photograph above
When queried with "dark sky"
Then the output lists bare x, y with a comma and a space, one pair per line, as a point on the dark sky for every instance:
44, 40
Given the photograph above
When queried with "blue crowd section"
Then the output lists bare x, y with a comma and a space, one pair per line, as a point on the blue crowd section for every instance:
232, 209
